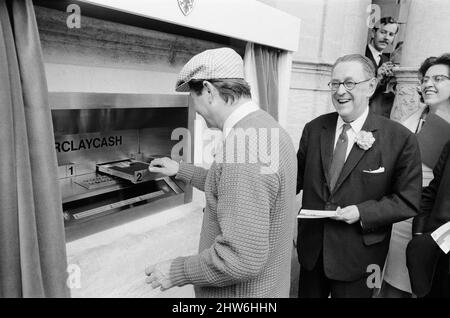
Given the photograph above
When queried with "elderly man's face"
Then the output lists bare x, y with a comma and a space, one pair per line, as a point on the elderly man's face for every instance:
384, 36
350, 104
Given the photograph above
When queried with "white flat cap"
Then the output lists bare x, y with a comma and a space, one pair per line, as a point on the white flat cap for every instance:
211, 64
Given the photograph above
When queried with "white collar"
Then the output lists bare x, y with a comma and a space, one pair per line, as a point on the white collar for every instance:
237, 115
375, 53
356, 124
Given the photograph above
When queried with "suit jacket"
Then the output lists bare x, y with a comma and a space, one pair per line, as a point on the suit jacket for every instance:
380, 102
423, 253
381, 198
435, 204
384, 58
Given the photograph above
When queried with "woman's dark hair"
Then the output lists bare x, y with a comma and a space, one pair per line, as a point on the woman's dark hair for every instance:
444, 59
429, 62
229, 88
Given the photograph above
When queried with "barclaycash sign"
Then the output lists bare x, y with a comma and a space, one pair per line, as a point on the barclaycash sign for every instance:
88, 143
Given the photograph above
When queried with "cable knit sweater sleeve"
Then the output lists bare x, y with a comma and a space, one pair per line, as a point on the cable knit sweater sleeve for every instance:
193, 175
241, 251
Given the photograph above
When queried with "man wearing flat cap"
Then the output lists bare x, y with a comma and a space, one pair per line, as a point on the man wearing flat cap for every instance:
246, 237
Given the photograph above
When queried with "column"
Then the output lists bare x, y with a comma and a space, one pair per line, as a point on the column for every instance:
427, 34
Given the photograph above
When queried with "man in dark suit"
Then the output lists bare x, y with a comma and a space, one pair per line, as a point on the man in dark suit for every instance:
428, 266
383, 34
366, 167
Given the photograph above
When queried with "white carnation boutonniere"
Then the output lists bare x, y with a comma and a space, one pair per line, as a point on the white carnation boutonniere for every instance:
365, 140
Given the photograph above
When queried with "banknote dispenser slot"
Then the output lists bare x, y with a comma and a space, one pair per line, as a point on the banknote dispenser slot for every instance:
104, 145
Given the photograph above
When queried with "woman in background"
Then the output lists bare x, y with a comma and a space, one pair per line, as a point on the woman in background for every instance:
430, 122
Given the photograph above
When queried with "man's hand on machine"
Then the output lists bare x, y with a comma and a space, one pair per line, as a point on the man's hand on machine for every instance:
165, 166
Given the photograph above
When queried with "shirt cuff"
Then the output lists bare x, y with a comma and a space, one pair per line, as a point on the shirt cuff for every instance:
185, 172
365, 224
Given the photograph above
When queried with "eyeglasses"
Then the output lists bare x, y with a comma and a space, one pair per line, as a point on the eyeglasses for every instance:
436, 79
348, 84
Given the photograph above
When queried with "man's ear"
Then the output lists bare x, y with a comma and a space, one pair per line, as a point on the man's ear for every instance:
372, 34
372, 86
209, 90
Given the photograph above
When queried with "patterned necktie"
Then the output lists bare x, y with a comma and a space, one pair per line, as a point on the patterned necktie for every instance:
339, 156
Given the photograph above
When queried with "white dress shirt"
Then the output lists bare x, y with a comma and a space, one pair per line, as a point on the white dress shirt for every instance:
231, 121
237, 115
356, 127
375, 53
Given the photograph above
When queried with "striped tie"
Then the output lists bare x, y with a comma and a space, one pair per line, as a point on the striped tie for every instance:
339, 156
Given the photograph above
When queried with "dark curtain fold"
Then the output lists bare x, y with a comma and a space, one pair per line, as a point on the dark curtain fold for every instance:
32, 243
266, 63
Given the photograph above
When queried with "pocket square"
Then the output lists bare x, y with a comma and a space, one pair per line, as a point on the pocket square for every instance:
379, 170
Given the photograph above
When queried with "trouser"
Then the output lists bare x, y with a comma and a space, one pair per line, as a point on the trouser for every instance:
441, 280
314, 284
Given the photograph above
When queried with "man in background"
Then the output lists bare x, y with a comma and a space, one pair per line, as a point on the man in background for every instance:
428, 265
383, 35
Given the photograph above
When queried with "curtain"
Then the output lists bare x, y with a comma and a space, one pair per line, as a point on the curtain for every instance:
284, 84
32, 243
268, 70
250, 71
266, 65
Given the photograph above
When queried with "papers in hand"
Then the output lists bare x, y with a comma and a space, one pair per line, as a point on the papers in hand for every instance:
315, 214
442, 237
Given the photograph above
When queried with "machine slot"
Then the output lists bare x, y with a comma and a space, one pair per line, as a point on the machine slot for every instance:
91, 207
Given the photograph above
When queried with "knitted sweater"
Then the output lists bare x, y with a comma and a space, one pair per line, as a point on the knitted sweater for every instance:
247, 231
